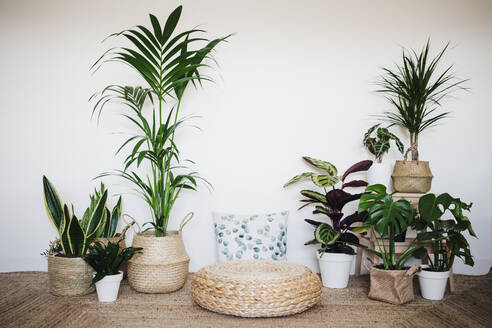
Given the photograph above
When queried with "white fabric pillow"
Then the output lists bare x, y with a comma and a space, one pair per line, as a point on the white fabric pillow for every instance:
249, 237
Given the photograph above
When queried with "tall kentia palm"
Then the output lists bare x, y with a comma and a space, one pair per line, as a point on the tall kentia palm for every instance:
167, 62
416, 89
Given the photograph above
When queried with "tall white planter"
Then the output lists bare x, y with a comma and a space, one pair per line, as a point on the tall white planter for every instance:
433, 284
334, 269
380, 173
108, 287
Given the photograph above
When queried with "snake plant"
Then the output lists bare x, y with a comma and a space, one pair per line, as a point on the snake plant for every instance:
110, 219
167, 61
74, 239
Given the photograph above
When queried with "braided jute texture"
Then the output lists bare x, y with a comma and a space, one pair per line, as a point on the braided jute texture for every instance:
26, 302
162, 267
256, 288
392, 286
69, 276
412, 176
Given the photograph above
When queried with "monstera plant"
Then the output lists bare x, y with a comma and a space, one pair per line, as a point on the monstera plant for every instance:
331, 203
335, 237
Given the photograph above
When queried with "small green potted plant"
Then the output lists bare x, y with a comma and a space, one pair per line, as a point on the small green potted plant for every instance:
335, 255
106, 260
416, 89
377, 142
68, 274
445, 241
389, 218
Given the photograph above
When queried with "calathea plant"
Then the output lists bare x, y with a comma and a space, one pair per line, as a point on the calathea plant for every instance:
443, 235
379, 144
74, 237
110, 219
107, 260
167, 61
335, 237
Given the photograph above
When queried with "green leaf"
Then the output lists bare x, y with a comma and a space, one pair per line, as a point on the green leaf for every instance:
323, 165
324, 181
299, 177
76, 237
52, 203
314, 195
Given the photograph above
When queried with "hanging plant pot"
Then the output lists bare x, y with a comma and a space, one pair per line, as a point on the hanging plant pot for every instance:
162, 267
334, 269
412, 176
392, 286
69, 276
433, 284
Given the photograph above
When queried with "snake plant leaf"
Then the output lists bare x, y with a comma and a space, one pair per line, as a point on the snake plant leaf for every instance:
326, 235
115, 217
76, 237
96, 218
324, 181
314, 195
323, 165
53, 205
299, 177
357, 167
355, 183
64, 242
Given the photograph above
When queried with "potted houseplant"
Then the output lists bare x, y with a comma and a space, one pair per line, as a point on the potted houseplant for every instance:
416, 90
445, 241
167, 62
106, 260
68, 274
335, 256
391, 281
377, 141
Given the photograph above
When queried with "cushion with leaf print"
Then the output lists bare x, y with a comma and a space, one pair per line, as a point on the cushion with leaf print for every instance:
249, 237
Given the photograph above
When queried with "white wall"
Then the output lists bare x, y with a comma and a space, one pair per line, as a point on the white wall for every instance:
295, 80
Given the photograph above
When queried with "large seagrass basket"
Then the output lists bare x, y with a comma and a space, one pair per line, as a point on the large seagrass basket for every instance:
412, 176
162, 267
256, 288
69, 276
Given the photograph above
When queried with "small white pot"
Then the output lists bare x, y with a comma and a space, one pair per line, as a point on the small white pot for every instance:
335, 269
380, 173
108, 287
433, 284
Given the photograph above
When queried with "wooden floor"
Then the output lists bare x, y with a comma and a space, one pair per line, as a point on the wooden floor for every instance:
26, 302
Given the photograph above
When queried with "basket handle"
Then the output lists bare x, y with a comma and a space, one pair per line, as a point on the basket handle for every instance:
413, 269
128, 225
365, 264
186, 219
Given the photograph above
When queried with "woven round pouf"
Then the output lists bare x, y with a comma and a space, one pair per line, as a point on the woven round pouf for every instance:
256, 288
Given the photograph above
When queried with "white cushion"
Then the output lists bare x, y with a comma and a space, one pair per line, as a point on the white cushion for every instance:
250, 237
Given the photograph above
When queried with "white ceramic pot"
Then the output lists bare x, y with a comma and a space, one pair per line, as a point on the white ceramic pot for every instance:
335, 269
433, 284
108, 287
380, 173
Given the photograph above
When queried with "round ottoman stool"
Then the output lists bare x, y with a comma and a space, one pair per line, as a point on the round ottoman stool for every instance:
256, 288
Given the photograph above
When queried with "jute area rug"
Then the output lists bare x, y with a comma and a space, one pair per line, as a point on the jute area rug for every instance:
26, 302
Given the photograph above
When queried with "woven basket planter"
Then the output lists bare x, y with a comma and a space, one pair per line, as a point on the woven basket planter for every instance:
69, 276
392, 286
412, 176
256, 288
162, 267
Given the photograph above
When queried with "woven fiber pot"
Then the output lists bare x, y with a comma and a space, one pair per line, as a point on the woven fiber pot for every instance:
162, 267
256, 288
392, 286
69, 276
412, 176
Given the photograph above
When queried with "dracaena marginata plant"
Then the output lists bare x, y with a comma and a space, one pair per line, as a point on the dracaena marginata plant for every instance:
167, 61
74, 236
335, 237
379, 143
443, 235
388, 218
109, 224
107, 260
416, 89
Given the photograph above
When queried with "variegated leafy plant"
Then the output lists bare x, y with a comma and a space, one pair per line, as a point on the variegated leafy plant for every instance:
335, 237
74, 238
379, 144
